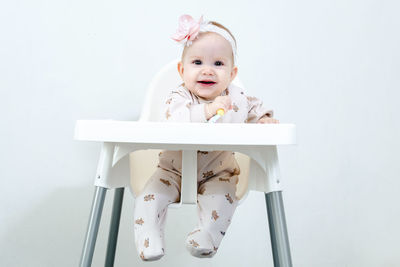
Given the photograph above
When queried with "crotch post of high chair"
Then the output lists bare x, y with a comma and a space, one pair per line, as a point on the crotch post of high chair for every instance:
120, 138
189, 171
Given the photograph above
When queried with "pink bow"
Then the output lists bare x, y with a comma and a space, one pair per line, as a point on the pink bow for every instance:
188, 28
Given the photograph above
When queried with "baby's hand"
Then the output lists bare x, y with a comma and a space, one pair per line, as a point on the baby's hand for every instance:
223, 102
266, 119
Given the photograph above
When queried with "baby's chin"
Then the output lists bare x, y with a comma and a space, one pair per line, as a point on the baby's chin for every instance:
207, 94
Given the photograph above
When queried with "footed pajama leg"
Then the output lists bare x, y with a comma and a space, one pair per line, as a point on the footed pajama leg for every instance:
216, 205
150, 211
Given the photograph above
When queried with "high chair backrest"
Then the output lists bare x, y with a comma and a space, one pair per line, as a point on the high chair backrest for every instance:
143, 163
162, 84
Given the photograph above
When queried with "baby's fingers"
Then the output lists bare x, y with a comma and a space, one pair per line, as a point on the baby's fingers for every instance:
268, 120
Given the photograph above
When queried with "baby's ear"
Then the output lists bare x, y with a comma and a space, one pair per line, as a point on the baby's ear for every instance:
180, 68
234, 73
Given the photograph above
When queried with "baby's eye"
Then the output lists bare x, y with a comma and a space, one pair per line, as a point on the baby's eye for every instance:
219, 63
197, 62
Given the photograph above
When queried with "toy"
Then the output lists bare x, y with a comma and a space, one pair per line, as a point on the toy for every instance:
220, 113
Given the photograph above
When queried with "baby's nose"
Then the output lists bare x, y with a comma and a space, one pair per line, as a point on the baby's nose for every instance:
207, 71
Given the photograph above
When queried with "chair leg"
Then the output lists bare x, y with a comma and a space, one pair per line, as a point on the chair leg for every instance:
93, 227
114, 227
278, 229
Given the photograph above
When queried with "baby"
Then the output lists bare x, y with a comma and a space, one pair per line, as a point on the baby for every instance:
207, 68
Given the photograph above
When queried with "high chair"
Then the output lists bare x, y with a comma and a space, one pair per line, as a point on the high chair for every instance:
130, 152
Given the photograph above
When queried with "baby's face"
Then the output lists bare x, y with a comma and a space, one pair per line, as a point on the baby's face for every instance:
207, 67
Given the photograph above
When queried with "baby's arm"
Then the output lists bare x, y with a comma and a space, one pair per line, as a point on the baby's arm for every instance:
258, 113
179, 108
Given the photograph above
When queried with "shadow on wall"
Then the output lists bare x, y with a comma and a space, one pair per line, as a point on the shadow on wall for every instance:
52, 234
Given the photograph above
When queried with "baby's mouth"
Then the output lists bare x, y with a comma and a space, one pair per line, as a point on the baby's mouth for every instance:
205, 82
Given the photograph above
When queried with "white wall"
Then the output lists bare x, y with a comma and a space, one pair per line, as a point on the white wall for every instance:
330, 67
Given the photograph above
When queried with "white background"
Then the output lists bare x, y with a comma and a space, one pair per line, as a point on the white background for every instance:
330, 67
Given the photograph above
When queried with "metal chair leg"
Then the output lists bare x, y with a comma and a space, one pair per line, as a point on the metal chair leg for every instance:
278, 230
114, 227
93, 226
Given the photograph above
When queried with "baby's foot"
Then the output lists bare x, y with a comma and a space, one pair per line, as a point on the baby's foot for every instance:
200, 244
150, 245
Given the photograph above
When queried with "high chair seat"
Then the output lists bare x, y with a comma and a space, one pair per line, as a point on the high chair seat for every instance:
129, 157
143, 164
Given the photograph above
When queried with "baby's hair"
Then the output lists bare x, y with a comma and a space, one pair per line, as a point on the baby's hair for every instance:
218, 25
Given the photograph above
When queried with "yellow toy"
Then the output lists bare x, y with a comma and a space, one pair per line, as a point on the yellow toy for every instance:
220, 113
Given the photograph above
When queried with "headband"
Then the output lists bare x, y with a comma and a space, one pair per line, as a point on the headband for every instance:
189, 29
